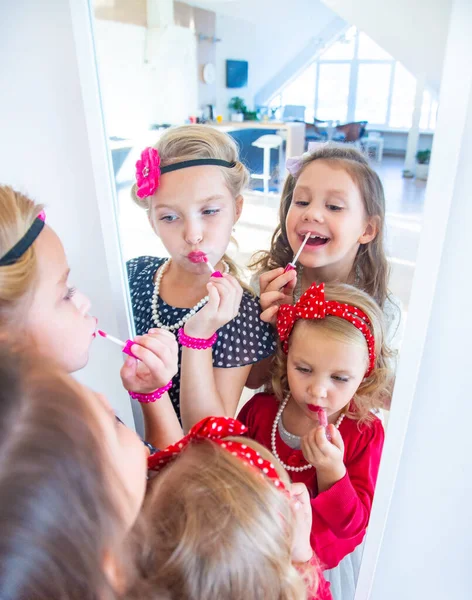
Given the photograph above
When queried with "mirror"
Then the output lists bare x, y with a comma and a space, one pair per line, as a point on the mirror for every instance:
280, 78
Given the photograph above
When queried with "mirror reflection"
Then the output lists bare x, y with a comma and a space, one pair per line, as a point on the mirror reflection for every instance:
270, 166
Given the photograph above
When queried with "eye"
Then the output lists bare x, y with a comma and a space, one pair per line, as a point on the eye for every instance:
302, 369
168, 218
300, 202
334, 207
211, 211
70, 293
341, 379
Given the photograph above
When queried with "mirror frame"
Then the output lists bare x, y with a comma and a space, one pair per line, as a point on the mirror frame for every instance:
439, 193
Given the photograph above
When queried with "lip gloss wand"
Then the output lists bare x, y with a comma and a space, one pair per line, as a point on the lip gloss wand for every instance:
293, 262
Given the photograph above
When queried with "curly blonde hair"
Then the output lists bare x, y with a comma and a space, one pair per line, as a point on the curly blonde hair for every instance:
17, 214
376, 387
218, 530
190, 142
370, 262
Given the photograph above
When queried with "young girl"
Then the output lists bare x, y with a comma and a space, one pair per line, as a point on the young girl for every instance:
72, 481
236, 529
191, 186
331, 360
333, 195
38, 308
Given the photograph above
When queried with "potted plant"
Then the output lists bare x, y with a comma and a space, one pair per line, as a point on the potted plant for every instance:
422, 164
238, 108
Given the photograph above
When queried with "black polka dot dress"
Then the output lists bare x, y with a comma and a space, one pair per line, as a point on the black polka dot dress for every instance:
243, 341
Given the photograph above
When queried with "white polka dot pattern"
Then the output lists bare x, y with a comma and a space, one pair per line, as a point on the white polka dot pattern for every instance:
243, 341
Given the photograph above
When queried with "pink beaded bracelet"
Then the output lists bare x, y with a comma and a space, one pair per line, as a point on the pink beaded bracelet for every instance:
196, 343
153, 396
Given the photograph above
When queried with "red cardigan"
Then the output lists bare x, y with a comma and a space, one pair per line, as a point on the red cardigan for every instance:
340, 514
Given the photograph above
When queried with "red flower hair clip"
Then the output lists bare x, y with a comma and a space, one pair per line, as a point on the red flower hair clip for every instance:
312, 305
217, 429
148, 173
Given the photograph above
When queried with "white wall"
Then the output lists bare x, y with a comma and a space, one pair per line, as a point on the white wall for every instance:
145, 79
412, 32
44, 151
426, 546
268, 35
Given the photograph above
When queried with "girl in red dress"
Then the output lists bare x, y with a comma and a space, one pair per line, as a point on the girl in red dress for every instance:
330, 375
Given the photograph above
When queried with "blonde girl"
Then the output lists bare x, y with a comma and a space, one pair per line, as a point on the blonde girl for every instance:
236, 529
40, 309
191, 186
330, 373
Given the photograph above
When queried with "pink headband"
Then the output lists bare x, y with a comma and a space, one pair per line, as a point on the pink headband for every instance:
217, 429
312, 305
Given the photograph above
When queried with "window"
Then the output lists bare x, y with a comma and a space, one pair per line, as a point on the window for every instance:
373, 84
333, 91
301, 91
354, 79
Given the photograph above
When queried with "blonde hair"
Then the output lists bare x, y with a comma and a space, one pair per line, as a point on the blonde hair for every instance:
190, 142
17, 214
373, 390
218, 530
370, 262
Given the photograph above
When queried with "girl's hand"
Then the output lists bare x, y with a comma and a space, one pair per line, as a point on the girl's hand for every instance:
276, 289
158, 362
326, 456
301, 547
225, 295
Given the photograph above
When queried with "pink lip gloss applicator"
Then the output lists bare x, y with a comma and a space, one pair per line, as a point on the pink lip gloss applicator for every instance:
126, 346
212, 269
323, 418
291, 265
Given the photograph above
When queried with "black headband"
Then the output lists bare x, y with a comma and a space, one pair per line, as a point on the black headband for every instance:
22, 246
197, 162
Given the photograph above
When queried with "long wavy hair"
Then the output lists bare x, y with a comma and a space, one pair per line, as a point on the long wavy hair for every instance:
371, 262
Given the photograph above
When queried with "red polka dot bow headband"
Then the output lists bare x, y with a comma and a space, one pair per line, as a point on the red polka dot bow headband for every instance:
217, 429
312, 305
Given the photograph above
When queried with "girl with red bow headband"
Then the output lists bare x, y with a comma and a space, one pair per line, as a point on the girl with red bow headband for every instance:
330, 373
226, 523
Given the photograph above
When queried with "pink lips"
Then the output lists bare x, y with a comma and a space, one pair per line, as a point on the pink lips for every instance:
197, 257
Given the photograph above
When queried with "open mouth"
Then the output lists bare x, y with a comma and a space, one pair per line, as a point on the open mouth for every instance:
317, 240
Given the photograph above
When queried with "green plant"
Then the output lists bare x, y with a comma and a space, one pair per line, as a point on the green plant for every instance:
238, 105
423, 156
250, 115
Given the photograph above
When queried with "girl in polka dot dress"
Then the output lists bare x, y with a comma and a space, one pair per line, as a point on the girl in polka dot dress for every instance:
330, 373
191, 185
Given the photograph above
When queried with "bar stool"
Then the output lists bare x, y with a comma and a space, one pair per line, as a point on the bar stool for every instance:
374, 141
267, 143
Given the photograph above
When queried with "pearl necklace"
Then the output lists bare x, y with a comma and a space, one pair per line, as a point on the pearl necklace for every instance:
274, 430
155, 296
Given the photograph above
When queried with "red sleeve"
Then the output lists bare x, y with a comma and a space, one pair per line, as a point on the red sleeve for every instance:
341, 514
